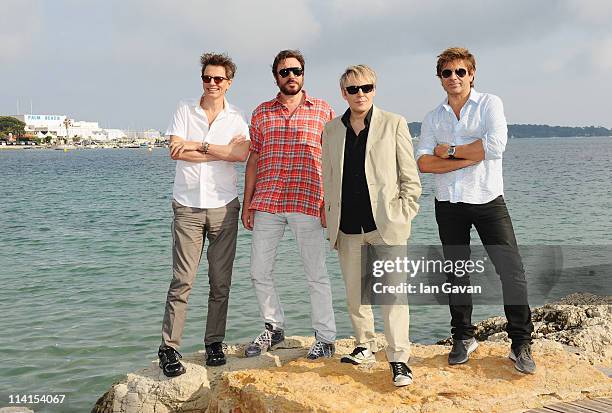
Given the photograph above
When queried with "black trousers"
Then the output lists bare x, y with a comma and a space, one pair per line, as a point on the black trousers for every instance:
494, 226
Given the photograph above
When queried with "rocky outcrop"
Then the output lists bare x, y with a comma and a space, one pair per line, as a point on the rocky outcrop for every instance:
149, 391
582, 322
283, 381
488, 383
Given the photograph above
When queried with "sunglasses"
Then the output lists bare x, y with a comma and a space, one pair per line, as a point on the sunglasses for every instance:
217, 79
353, 90
446, 73
297, 71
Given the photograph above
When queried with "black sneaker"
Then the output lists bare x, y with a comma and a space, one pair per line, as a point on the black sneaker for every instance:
265, 341
402, 375
461, 350
169, 361
523, 362
358, 356
215, 355
321, 349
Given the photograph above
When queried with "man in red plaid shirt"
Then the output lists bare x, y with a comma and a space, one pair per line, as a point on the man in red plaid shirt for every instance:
283, 186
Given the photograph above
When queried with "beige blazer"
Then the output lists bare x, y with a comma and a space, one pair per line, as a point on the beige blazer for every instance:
391, 173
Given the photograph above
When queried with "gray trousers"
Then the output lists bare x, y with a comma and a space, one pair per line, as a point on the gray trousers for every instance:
268, 230
189, 229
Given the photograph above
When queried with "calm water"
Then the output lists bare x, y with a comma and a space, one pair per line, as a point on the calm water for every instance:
86, 261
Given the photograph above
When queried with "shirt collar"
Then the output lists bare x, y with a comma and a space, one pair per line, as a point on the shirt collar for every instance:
227, 108
474, 97
347, 116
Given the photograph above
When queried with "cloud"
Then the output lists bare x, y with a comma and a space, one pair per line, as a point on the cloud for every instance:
249, 29
19, 24
601, 55
591, 12
128, 62
391, 28
350, 10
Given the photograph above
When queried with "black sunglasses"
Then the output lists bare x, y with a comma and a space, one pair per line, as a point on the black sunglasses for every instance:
217, 79
353, 90
297, 71
461, 72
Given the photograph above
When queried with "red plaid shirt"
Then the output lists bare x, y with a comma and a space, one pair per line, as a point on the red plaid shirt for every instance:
289, 164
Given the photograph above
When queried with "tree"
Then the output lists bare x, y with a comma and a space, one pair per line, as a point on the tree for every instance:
9, 124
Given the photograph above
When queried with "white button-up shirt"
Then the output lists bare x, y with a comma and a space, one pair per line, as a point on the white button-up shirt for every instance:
482, 117
206, 184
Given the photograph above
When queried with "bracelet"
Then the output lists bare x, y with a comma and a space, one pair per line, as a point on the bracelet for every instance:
205, 147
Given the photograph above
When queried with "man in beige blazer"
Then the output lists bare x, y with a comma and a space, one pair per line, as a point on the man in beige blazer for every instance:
371, 188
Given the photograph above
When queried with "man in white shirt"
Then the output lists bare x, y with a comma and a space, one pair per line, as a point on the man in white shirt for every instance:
462, 142
207, 136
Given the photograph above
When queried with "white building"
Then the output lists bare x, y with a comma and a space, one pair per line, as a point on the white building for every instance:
44, 125
55, 126
113, 134
147, 136
84, 130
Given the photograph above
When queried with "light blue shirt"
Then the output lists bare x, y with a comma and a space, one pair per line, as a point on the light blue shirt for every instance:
482, 117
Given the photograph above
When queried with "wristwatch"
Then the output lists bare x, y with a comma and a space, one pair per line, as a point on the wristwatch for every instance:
451, 151
204, 148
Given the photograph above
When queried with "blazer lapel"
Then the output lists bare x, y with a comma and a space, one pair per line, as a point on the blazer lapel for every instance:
375, 132
339, 137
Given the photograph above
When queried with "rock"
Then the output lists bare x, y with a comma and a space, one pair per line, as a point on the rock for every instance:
572, 334
501, 337
148, 390
488, 383
581, 321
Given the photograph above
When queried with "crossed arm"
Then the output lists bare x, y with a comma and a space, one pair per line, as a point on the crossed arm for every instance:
439, 163
236, 150
489, 146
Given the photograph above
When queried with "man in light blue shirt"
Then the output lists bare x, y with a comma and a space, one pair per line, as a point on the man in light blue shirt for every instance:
462, 142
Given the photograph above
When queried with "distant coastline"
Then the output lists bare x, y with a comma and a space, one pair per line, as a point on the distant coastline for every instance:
540, 131
106, 145
514, 131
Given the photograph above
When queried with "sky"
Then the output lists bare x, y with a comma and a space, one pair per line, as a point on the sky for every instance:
126, 64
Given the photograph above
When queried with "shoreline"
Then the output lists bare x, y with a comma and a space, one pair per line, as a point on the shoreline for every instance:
134, 146
51, 148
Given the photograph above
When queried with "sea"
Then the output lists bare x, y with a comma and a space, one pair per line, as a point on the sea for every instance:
85, 259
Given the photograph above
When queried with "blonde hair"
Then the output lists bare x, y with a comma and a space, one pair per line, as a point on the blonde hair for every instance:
358, 71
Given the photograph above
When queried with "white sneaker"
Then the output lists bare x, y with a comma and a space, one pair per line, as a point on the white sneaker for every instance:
402, 375
358, 356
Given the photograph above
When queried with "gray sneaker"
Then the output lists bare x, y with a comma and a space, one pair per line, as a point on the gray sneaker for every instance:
320, 349
265, 341
523, 362
461, 350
